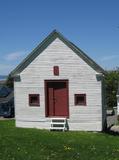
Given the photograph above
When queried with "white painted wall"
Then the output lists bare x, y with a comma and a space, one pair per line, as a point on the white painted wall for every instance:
82, 79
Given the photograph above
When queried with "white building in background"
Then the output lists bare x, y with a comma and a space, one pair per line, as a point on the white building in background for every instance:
118, 102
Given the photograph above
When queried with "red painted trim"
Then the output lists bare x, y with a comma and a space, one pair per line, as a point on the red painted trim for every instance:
56, 70
46, 94
45, 87
37, 103
82, 103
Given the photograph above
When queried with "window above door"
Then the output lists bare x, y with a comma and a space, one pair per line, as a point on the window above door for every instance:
56, 70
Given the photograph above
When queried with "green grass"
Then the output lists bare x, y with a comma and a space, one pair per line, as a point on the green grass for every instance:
35, 144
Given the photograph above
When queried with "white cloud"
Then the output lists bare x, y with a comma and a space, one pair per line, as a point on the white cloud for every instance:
109, 58
5, 69
9, 61
14, 56
109, 61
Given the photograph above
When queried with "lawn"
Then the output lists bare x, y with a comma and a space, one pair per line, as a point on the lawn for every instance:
35, 144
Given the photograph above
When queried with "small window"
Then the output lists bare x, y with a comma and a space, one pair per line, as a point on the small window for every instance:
80, 99
56, 70
34, 100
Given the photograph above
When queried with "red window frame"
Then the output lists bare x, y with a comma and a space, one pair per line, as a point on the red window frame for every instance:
56, 70
77, 102
37, 103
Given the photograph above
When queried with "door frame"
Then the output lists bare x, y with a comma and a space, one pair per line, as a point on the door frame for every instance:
46, 99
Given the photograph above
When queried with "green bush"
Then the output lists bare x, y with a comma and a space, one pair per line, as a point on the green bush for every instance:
112, 82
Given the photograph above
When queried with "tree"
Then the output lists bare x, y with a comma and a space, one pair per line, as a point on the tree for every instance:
9, 82
112, 83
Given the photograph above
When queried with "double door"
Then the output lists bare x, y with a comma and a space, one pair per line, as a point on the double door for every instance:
56, 98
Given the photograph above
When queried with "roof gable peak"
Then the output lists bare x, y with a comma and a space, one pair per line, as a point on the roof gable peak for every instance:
45, 43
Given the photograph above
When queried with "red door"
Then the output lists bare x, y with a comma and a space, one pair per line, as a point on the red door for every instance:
57, 98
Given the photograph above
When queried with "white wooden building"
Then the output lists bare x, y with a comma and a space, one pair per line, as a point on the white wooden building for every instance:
57, 79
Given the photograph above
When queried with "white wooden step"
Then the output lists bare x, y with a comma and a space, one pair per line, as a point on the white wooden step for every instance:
58, 124
58, 128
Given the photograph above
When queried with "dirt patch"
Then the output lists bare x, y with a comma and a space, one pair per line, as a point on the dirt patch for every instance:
3, 119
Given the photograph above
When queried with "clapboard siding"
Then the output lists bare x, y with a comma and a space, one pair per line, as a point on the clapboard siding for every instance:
82, 79
117, 104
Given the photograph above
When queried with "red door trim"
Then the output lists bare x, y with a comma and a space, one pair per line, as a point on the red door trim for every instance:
45, 88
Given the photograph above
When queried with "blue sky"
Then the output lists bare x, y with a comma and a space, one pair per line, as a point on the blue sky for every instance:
93, 25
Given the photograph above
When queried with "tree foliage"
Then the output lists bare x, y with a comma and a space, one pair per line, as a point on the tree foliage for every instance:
10, 82
112, 83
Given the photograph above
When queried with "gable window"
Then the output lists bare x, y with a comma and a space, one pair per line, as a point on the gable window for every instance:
56, 70
80, 99
34, 100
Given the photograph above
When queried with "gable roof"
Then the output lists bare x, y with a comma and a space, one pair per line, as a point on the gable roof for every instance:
45, 43
8, 98
4, 91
